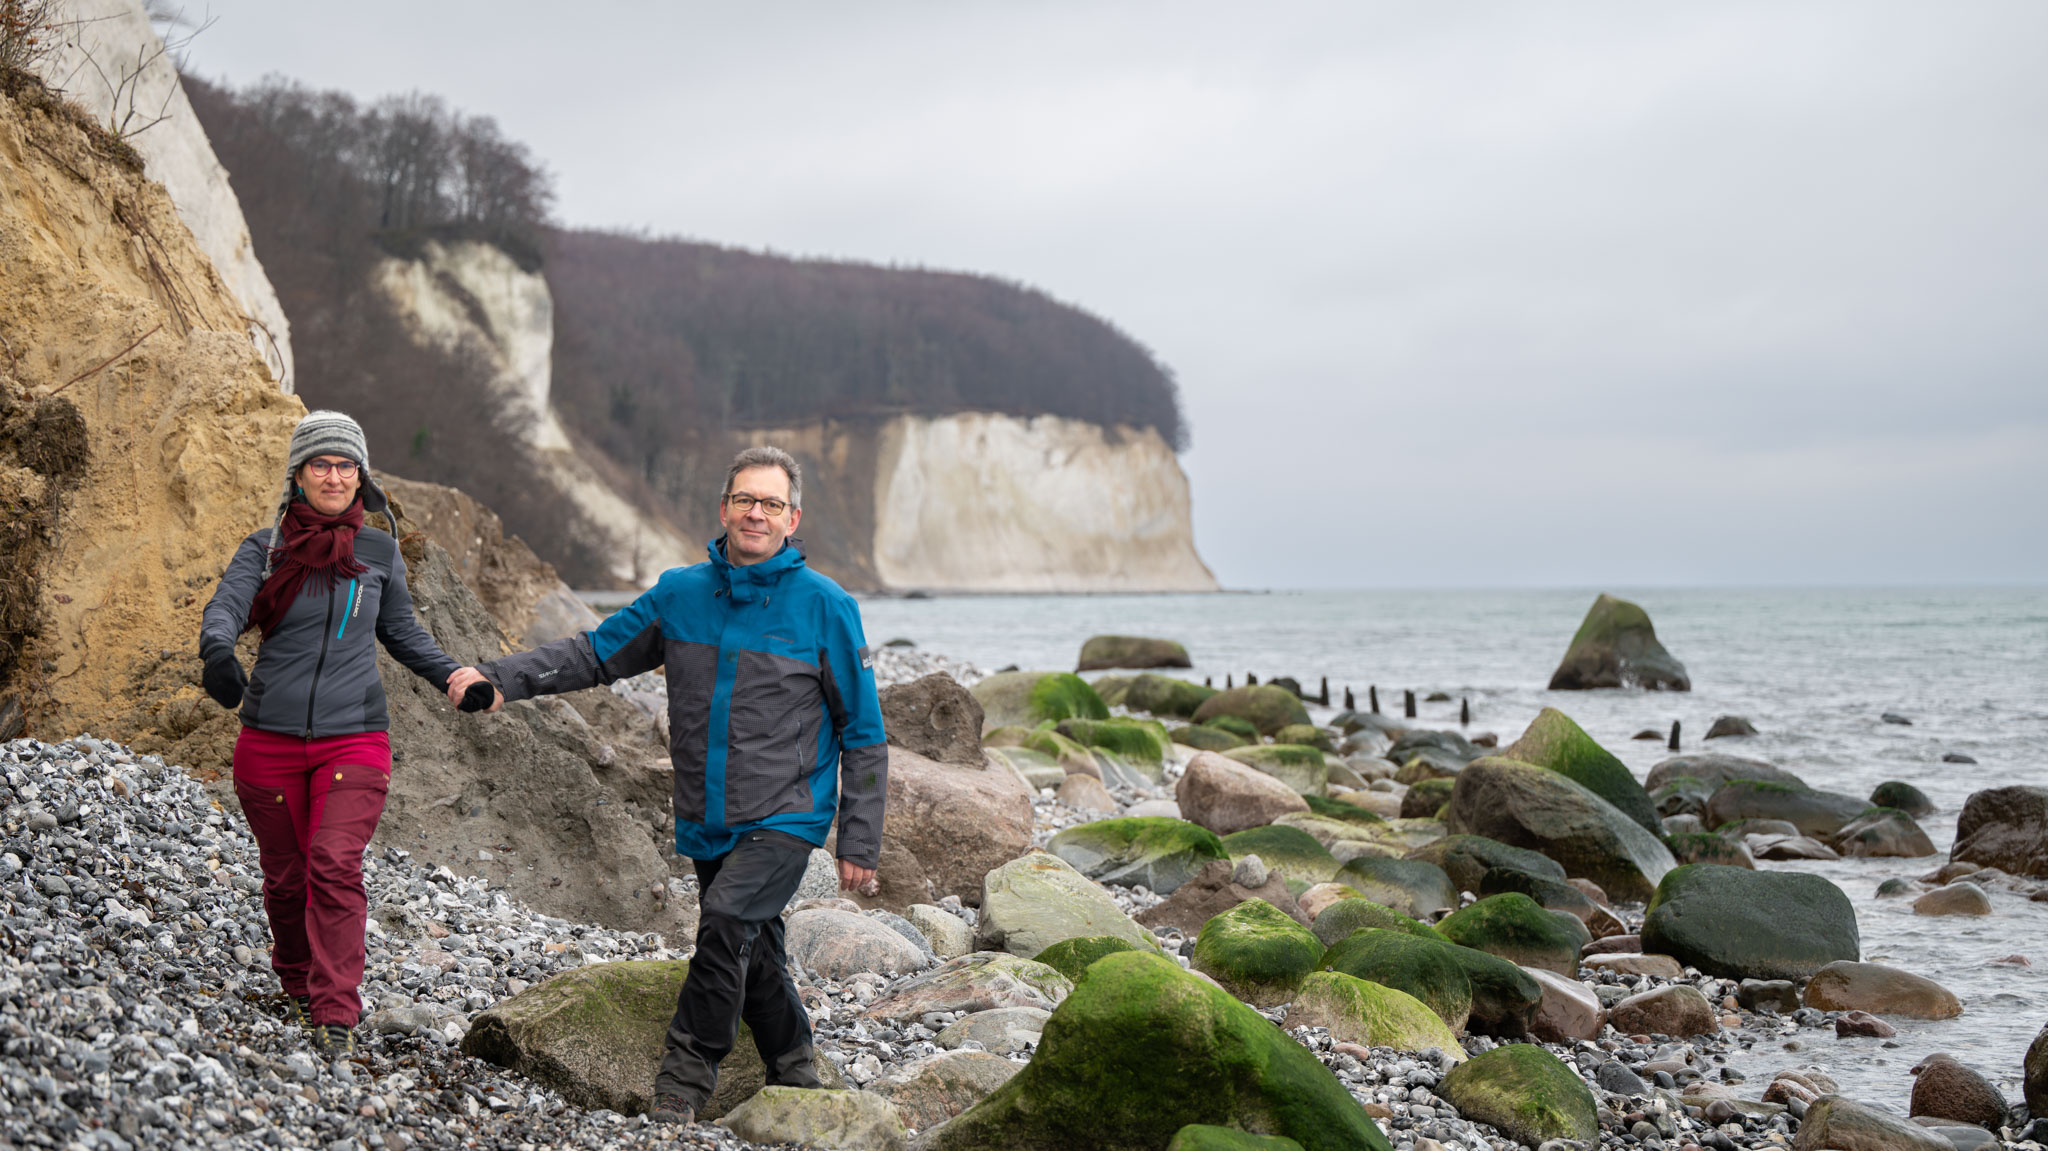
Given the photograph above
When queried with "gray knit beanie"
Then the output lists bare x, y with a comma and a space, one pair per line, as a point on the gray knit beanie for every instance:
325, 433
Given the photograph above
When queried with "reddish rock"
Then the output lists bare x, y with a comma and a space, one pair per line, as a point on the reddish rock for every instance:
945, 828
1211, 893
1226, 796
1944, 1088
1678, 1009
1863, 1024
1611, 944
1636, 963
1569, 1010
1880, 990
2006, 828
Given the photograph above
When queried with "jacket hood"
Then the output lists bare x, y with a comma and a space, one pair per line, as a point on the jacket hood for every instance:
745, 584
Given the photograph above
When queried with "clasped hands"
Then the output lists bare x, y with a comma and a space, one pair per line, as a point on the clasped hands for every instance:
459, 686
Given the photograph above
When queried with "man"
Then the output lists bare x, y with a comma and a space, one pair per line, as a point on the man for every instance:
774, 725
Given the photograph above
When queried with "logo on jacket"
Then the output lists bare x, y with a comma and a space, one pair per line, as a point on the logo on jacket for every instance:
867, 658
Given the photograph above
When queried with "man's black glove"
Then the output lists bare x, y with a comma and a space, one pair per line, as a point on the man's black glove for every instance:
477, 697
224, 678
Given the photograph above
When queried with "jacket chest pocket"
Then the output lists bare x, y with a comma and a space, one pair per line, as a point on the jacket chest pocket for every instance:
771, 739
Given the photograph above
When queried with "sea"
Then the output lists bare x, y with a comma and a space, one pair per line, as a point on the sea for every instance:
1813, 669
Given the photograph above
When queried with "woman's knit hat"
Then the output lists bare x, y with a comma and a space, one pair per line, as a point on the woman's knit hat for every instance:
325, 433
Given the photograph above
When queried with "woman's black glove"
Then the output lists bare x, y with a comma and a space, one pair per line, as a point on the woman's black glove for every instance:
478, 697
224, 679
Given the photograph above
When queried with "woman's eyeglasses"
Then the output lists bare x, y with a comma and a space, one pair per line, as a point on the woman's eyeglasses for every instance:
346, 469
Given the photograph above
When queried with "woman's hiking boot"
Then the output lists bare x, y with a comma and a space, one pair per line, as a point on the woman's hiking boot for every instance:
298, 1011
334, 1040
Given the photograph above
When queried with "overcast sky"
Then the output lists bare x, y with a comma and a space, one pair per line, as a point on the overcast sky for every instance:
1482, 293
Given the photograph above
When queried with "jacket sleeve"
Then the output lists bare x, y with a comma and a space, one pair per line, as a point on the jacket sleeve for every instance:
402, 634
627, 643
227, 614
863, 745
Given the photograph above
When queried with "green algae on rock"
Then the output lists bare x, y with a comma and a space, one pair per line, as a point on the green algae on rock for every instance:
1159, 852
1141, 741
1708, 847
1370, 1014
1205, 1137
1616, 646
1820, 814
1165, 695
1410, 886
1555, 742
1305, 734
1739, 924
1257, 952
1421, 967
1029, 698
1142, 1049
1302, 768
1467, 859
1292, 852
1203, 737
1264, 706
1070, 957
1526, 1092
1345, 916
1505, 998
1518, 929
1526, 806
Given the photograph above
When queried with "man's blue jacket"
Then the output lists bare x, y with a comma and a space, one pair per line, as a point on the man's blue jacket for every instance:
772, 714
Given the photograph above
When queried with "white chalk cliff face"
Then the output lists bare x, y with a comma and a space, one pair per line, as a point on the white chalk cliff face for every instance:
110, 61
468, 294
993, 503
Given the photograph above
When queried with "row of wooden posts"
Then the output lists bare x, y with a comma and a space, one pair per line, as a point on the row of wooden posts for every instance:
1372, 696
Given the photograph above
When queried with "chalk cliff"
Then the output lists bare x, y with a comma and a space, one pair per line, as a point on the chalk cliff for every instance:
470, 297
110, 62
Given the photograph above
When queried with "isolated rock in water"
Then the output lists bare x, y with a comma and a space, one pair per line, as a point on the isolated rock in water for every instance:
838, 944
1526, 806
1895, 718
2034, 1074
1713, 769
1570, 1011
1728, 725
1265, 707
1294, 853
1370, 1015
1143, 1049
1411, 887
1832, 1121
855, 1120
1526, 1092
1820, 814
1226, 796
1165, 695
1740, 924
1514, 927
1883, 831
1903, 797
1107, 651
1031, 903
931, 1090
1257, 952
1161, 854
1617, 647
1946, 1089
1957, 757
1880, 990
1212, 892
1029, 698
2005, 828
1302, 768
936, 718
944, 828
1419, 967
1959, 898
1070, 957
1340, 919
596, 1034
1553, 741
1467, 859
1676, 1009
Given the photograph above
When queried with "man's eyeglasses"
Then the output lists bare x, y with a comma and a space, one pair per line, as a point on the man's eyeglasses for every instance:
743, 503
346, 469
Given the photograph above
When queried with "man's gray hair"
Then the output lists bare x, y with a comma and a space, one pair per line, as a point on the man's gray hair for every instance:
767, 457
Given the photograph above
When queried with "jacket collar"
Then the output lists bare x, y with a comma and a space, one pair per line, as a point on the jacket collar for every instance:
745, 584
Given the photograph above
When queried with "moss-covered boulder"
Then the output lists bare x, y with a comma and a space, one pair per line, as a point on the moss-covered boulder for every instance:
1421, 967
1011, 736
1165, 695
1257, 952
1265, 707
596, 1035
1526, 806
802, 1115
1820, 814
1292, 852
1681, 795
1901, 796
1202, 737
1505, 998
1070, 957
1243, 728
1136, 740
1157, 852
1467, 859
1036, 769
1370, 1015
1205, 1137
1410, 886
1708, 847
1033, 902
1518, 929
1345, 812
1305, 734
1550, 893
1617, 647
1106, 651
1555, 742
1883, 831
1740, 924
1071, 756
1425, 798
1409, 834
1142, 1049
1301, 768
1111, 688
1345, 916
1526, 1092
1029, 698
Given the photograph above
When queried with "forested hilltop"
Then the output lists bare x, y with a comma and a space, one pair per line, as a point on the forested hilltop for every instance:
667, 353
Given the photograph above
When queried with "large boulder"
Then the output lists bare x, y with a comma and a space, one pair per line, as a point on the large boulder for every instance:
2034, 1074
1370, 1014
1070, 957
1530, 1095
1409, 886
1033, 902
1208, 1137
1422, 968
1739, 924
944, 828
1516, 928
1467, 859
1106, 651
1347, 915
981, 981
1029, 698
838, 944
1137, 741
595, 1035
1165, 695
1835, 1122
1713, 769
1550, 893
1226, 796
1675, 1009
1820, 814
1555, 742
1570, 1011
1426, 797
1159, 853
1143, 1049
936, 718
1946, 1089
1883, 831
1214, 890
1294, 853
1523, 805
1880, 990
1257, 952
1709, 847
2005, 828
853, 1120
1505, 997
1264, 706
1202, 737
1617, 647
1903, 796
1298, 766
929, 1091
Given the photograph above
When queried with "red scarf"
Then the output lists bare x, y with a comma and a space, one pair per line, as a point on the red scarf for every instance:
318, 550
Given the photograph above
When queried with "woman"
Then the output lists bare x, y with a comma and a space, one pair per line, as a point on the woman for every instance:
313, 761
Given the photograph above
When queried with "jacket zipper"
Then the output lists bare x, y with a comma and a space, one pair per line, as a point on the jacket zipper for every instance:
313, 692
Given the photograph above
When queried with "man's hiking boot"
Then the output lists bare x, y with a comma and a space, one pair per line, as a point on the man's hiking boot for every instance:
334, 1040
672, 1109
